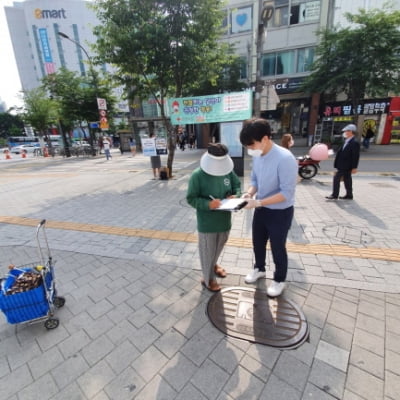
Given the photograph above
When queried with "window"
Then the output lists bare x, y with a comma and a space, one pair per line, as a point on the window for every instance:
225, 23
243, 68
301, 11
287, 62
280, 16
268, 64
305, 58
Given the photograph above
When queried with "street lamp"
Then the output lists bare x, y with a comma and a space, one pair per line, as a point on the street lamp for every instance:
65, 36
265, 14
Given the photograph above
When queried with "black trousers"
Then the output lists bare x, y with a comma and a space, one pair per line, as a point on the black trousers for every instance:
347, 180
272, 225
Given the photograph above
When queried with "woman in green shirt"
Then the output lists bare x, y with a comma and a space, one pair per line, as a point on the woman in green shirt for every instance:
213, 181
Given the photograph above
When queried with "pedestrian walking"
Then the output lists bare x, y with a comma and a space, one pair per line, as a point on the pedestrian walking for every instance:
369, 134
107, 147
132, 144
273, 183
346, 163
208, 185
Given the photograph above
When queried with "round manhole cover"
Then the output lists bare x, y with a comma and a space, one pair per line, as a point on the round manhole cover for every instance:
247, 313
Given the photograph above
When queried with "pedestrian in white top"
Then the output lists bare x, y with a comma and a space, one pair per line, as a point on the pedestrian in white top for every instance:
106, 147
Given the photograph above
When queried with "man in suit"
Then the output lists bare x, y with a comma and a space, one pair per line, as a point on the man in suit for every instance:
346, 163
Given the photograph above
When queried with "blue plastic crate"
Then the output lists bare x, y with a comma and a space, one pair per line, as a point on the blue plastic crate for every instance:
25, 306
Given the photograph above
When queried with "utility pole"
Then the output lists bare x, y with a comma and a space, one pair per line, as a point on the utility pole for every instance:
264, 15
91, 136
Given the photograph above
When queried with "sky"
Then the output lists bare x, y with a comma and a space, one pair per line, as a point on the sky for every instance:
10, 84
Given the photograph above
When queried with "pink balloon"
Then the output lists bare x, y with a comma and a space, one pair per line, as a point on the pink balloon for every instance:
319, 152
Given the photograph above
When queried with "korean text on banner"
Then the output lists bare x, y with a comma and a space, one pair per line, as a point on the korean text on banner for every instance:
149, 147
214, 108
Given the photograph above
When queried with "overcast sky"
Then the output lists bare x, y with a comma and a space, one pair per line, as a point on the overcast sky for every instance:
9, 79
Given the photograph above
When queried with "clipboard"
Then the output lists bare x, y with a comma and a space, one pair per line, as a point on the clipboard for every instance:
231, 205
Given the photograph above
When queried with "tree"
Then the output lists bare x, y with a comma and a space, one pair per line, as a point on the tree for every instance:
40, 111
361, 60
161, 49
10, 125
76, 97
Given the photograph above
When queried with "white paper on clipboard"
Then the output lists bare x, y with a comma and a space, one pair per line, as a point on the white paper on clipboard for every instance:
231, 204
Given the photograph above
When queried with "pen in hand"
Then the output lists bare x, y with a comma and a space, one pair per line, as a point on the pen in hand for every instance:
214, 203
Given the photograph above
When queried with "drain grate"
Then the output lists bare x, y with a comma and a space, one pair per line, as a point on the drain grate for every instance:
247, 313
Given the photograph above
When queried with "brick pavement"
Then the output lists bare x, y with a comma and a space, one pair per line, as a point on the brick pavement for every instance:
134, 323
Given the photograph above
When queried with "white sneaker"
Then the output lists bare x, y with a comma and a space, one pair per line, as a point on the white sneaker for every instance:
275, 289
254, 276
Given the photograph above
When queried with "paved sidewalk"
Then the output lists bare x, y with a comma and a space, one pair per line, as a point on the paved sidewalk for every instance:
134, 323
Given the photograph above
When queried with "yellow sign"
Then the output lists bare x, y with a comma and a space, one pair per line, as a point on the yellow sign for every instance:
104, 125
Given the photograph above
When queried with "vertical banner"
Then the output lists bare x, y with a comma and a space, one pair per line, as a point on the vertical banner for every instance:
47, 58
230, 137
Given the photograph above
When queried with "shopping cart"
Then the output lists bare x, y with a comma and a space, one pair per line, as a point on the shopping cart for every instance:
38, 303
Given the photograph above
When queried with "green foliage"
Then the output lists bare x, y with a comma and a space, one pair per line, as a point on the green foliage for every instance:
10, 125
40, 112
76, 96
161, 49
362, 60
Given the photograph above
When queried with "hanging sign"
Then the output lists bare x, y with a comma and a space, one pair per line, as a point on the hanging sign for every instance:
222, 107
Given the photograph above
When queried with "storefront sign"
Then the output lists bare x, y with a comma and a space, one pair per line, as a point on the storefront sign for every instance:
49, 14
366, 107
286, 85
215, 108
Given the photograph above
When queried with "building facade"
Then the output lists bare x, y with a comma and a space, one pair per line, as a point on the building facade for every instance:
285, 55
39, 50
287, 51
280, 57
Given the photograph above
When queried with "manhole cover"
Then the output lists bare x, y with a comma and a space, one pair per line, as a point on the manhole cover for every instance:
247, 313
348, 234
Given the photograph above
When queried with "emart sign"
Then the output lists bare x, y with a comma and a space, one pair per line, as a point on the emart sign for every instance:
49, 14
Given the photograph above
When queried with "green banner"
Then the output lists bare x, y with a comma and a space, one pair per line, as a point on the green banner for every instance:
222, 107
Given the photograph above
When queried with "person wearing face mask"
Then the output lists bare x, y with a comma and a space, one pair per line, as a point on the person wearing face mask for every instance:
346, 163
272, 183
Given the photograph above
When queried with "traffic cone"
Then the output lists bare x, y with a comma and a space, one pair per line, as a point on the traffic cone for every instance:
23, 153
8, 155
45, 152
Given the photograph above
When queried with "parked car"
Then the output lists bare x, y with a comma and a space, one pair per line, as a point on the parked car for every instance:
30, 148
80, 143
